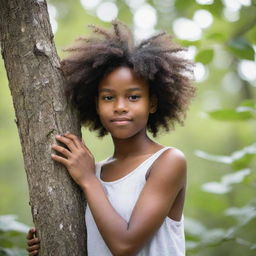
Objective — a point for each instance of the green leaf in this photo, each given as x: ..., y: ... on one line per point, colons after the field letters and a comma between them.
x: 214, y: 158
x: 183, y: 4
x: 238, y: 159
x: 224, y: 186
x: 248, y: 103
x: 236, y: 177
x: 232, y: 114
x: 251, y: 35
x: 219, y: 37
x: 214, y: 236
x: 206, y: 237
x: 12, y: 252
x: 194, y: 227
x: 244, y: 242
x: 241, y: 49
x: 187, y: 43
x: 242, y: 215
x: 8, y: 223
x: 205, y: 56
x: 191, y: 245
x: 6, y: 243
x: 246, y: 110
x: 242, y: 158
x: 216, y: 8
x: 216, y: 188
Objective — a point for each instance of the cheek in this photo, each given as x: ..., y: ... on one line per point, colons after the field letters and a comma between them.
x: 103, y: 112
x: 144, y: 109
x: 142, y: 116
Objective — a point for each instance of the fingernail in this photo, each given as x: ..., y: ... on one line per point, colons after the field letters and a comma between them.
x: 57, y: 136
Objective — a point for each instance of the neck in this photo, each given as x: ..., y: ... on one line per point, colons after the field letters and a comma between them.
x: 136, y: 145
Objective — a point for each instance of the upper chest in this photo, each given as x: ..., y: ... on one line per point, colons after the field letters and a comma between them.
x: 117, y: 169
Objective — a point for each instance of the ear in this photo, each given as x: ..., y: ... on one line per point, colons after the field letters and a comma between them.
x: 153, y: 104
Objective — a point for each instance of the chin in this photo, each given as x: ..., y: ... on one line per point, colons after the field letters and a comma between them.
x: 121, y: 136
x: 125, y: 134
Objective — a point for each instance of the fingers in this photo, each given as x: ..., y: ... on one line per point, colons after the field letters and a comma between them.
x: 74, y: 138
x: 60, y: 159
x: 79, y: 143
x: 62, y: 150
x: 31, y: 233
x: 34, y: 253
x: 33, y: 250
x: 73, y: 143
x: 33, y: 242
x: 68, y: 142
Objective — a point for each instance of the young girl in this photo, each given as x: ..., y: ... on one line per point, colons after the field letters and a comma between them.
x: 135, y: 197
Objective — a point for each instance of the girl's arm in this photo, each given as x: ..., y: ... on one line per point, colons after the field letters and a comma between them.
x: 167, y: 178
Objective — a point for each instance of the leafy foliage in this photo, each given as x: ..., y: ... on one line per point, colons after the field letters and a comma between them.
x: 235, y: 40
x: 240, y: 162
x: 245, y: 111
x: 205, y: 56
x: 11, y: 231
x: 237, y: 161
x: 241, y: 49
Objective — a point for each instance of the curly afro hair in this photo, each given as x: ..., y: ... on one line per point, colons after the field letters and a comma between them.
x: 156, y: 60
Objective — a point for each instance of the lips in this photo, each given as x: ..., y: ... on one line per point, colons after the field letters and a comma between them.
x: 121, y: 120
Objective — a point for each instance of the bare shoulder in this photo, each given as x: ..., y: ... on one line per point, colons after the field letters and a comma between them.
x: 170, y: 165
x: 173, y: 157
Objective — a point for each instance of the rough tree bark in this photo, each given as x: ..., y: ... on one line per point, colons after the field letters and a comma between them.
x: 42, y: 111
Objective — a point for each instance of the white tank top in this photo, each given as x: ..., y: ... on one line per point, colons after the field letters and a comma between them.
x: 169, y: 239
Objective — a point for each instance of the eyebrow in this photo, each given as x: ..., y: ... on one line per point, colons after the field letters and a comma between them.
x: 129, y: 90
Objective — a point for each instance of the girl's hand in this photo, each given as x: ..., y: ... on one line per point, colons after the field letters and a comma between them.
x: 32, y: 242
x: 77, y: 158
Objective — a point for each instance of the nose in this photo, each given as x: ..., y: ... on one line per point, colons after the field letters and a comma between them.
x: 120, y: 106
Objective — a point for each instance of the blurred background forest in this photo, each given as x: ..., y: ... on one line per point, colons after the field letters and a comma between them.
x: 218, y: 137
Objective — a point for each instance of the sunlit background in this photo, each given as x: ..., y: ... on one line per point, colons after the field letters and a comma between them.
x: 220, y: 37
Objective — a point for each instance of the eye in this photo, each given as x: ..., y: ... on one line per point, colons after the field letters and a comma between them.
x: 107, y: 97
x: 134, y: 97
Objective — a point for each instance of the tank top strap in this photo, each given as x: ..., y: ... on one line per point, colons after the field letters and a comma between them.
x: 148, y: 163
x: 154, y: 156
x: 98, y: 166
x: 140, y: 170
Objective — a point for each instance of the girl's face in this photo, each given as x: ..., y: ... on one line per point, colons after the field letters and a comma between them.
x: 123, y: 103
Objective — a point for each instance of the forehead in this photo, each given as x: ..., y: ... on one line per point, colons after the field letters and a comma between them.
x: 122, y: 78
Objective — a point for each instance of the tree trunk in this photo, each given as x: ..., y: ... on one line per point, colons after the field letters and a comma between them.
x: 42, y: 111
